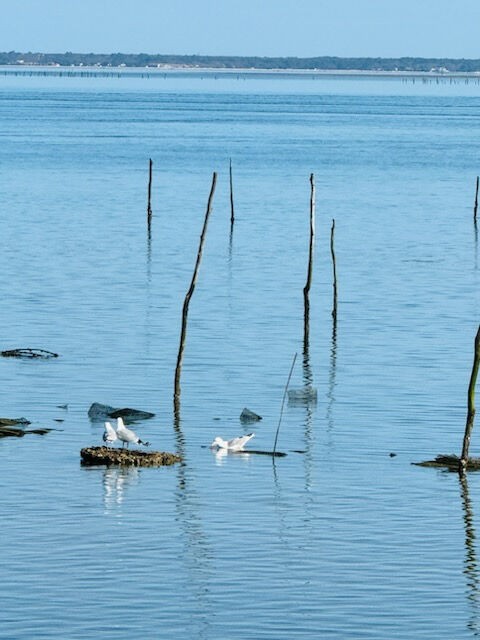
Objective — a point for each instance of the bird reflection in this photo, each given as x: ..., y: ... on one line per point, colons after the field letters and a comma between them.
x: 470, y: 565
x: 476, y: 243
x: 115, y: 482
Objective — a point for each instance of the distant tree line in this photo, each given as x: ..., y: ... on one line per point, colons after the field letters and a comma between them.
x: 241, y: 62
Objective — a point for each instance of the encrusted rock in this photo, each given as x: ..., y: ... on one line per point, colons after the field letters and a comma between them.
x: 127, y: 457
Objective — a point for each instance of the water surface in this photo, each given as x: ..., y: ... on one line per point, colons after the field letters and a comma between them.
x: 341, y: 541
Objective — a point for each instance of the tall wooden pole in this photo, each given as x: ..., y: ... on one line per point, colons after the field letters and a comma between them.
x: 475, y: 206
x: 332, y: 250
x: 149, y: 200
x: 186, y: 303
x: 232, y: 208
x: 471, y: 405
x: 306, y: 288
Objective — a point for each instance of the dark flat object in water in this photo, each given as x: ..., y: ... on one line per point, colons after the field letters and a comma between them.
x: 276, y: 454
x: 100, y: 412
x: 10, y: 422
x: 6, y: 432
x: 450, y: 462
x: 28, y: 353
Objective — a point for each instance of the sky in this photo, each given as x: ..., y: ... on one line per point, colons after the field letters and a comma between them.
x: 301, y: 28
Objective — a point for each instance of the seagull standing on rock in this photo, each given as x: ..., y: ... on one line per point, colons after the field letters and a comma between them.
x: 109, y: 435
x: 127, y: 435
x: 235, y: 444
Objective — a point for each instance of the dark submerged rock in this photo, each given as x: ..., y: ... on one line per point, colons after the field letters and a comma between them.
x: 304, y: 396
x: 108, y: 456
x: 99, y: 412
x: 249, y: 416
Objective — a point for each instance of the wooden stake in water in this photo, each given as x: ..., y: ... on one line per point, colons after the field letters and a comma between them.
x: 471, y: 405
x: 475, y: 206
x: 306, y: 288
x: 149, y: 200
x: 188, y: 296
x: 283, y: 403
x: 332, y: 250
x: 232, y: 208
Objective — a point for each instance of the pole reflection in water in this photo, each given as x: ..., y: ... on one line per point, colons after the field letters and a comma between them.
x: 197, y: 555
x: 476, y: 244
x: 470, y: 565
x: 332, y: 377
x: 307, y: 395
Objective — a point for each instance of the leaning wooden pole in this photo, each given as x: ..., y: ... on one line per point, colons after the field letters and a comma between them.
x: 475, y: 206
x: 471, y: 405
x: 283, y: 404
x: 149, y: 198
x: 183, y: 334
x: 232, y: 207
x: 332, y: 251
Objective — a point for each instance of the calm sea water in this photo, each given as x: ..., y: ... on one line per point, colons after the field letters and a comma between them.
x: 340, y: 541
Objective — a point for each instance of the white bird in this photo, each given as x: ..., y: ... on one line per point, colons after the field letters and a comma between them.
x: 235, y: 444
x: 127, y: 435
x: 109, y: 435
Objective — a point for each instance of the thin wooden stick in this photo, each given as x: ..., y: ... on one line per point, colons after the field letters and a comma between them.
x: 149, y: 201
x: 332, y: 250
x: 188, y: 296
x: 232, y: 208
x: 475, y: 206
x: 283, y: 403
x: 471, y: 405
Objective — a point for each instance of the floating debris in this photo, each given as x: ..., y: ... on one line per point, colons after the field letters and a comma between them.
x: 100, y: 412
x: 10, y: 422
x: 28, y: 353
x: 108, y: 456
x: 18, y: 432
x: 450, y: 462
x: 274, y: 454
x: 249, y: 416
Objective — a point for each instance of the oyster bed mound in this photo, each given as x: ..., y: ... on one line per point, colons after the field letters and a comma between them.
x: 109, y: 456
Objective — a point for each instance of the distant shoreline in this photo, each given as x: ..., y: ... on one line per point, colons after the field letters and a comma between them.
x: 318, y: 64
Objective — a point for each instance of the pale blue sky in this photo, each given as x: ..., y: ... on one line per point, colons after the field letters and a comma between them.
x: 437, y: 28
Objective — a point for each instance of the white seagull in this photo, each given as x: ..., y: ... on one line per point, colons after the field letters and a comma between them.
x: 109, y: 435
x: 127, y: 435
x: 235, y: 444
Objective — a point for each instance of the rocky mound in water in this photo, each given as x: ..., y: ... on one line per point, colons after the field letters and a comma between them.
x: 127, y: 457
